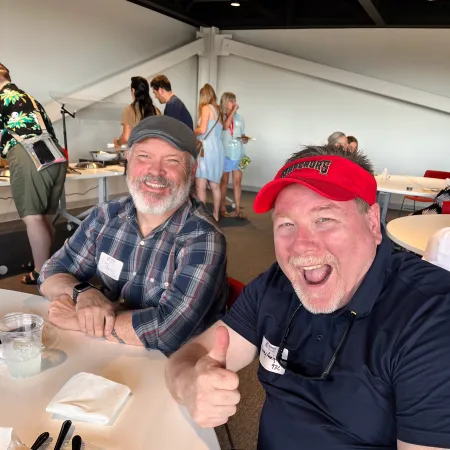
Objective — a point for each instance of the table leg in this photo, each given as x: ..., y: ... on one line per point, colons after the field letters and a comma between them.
x: 101, y: 190
x: 102, y: 197
x: 105, y: 180
x: 62, y: 210
x: 384, y: 206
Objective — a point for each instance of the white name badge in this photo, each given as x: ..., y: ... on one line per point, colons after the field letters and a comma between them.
x: 267, y: 357
x: 110, y: 266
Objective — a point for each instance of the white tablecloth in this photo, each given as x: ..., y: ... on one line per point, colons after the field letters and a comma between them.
x: 150, y: 420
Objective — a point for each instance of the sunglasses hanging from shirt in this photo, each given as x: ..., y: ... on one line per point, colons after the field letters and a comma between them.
x: 325, y: 375
x: 42, y: 149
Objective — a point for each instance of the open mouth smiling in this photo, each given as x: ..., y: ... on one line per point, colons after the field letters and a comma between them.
x: 316, y: 275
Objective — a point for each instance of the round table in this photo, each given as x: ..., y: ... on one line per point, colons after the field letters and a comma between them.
x: 413, y: 232
x: 398, y: 184
x: 150, y: 419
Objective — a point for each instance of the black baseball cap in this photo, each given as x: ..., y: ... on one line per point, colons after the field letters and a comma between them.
x: 167, y: 128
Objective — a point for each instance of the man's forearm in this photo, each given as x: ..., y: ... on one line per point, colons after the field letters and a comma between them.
x: 180, y: 369
x: 123, y: 331
x: 57, y: 285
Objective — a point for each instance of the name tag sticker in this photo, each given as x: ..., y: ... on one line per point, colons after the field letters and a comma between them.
x: 110, y: 266
x: 267, y: 357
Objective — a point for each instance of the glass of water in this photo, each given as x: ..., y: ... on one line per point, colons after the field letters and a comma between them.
x: 21, y: 343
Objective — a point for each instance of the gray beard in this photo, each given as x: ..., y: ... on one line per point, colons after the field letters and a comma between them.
x: 155, y: 203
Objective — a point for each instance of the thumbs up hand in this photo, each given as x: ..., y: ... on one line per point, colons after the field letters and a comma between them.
x: 214, y: 394
x: 219, y: 352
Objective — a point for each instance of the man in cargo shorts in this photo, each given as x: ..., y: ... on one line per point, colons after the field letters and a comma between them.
x: 36, y: 193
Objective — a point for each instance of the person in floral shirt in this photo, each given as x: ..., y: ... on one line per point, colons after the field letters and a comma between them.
x: 36, y: 193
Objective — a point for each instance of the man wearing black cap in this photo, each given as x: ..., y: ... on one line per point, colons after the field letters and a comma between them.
x: 353, y: 341
x: 159, y: 256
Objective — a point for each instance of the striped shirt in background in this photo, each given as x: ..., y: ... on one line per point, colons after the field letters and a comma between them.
x: 174, y: 279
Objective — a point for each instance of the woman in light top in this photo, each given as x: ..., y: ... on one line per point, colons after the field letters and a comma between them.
x: 141, y: 107
x: 233, y: 138
x: 211, y: 158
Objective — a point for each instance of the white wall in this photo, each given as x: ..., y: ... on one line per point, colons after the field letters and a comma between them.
x: 84, y: 41
x: 416, y: 58
x: 285, y: 110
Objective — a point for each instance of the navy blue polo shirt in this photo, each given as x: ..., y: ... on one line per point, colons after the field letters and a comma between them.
x: 392, y: 378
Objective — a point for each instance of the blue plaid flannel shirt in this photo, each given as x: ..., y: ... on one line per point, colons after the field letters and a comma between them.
x: 174, y: 279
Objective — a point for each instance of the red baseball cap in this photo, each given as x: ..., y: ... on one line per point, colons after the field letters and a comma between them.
x: 333, y: 177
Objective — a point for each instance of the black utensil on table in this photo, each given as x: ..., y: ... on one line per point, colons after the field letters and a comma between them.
x: 65, y: 427
x: 40, y: 440
x: 76, y: 443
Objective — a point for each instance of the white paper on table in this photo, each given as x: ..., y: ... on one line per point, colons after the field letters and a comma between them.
x: 89, y: 398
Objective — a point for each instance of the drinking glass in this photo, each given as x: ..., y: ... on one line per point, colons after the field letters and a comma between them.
x: 21, y: 343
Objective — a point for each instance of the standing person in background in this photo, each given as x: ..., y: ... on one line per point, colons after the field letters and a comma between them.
x: 338, y: 139
x: 36, y: 193
x: 141, y: 108
x: 352, y: 144
x: 162, y: 90
x: 211, y: 158
x: 233, y: 137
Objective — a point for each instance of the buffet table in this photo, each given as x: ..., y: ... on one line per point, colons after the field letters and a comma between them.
x: 102, y: 175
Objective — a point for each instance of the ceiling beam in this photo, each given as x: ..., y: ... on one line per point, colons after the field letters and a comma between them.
x: 372, y: 12
x: 106, y: 87
x: 338, y: 76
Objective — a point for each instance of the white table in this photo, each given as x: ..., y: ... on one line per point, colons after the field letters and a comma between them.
x: 413, y: 232
x: 101, y: 175
x: 397, y: 184
x: 150, y: 420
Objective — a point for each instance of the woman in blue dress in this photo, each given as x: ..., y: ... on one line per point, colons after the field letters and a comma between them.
x: 233, y: 138
x: 211, y: 158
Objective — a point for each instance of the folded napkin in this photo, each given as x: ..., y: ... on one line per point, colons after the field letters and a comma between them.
x: 9, y: 440
x: 89, y: 398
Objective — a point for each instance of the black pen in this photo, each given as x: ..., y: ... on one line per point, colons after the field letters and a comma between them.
x: 40, y: 440
x: 76, y: 443
x: 65, y: 427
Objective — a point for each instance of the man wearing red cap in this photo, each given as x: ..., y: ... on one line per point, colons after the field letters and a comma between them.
x: 353, y: 341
